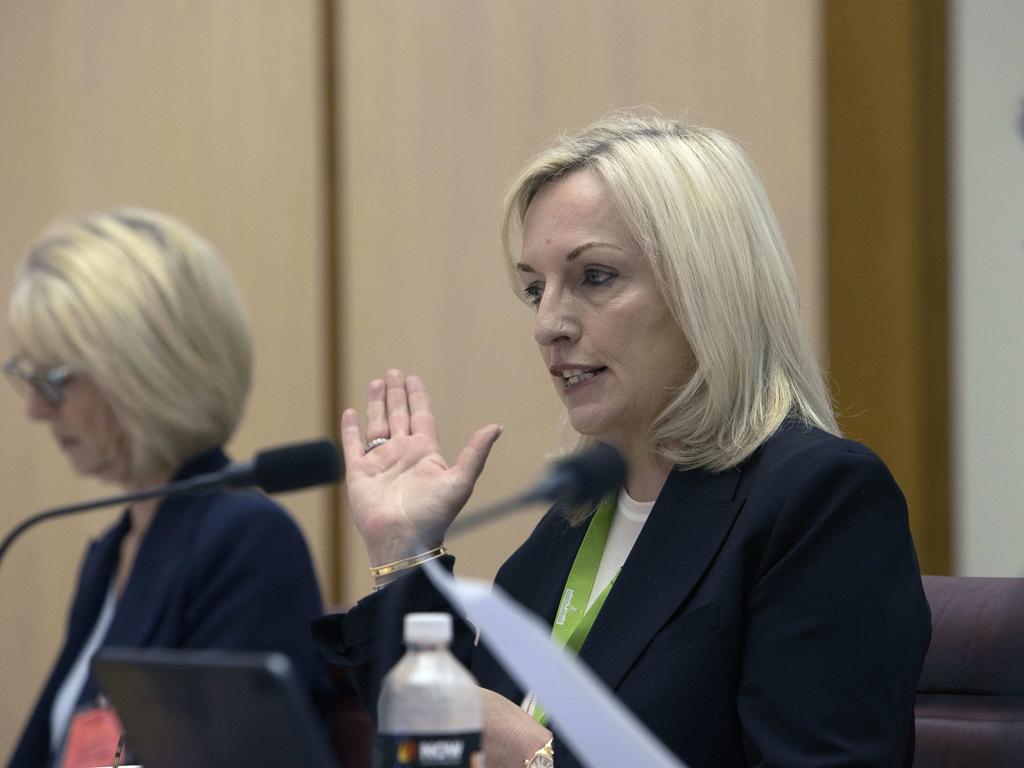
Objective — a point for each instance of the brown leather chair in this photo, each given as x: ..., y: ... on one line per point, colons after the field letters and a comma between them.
x: 970, y: 697
x: 349, y: 724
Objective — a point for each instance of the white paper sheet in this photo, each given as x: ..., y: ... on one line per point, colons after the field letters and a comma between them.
x: 601, y: 732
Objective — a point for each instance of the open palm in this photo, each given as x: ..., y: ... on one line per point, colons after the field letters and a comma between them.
x: 403, y: 494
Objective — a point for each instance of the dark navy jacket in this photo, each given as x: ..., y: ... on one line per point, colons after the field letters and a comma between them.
x: 772, y: 615
x: 227, y: 570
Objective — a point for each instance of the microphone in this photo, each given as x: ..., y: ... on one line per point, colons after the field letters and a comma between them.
x: 286, y: 468
x: 581, y: 477
x: 276, y: 470
x: 591, y: 474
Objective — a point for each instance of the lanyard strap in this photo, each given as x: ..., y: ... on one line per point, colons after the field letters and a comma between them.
x: 574, y: 620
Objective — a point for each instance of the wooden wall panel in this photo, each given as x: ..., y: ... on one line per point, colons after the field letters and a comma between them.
x: 887, y: 246
x: 440, y: 102
x: 213, y: 112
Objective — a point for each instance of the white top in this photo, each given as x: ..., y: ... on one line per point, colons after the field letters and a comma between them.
x: 629, y: 519
x: 66, y: 698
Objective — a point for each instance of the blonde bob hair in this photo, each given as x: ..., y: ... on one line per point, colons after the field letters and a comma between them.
x: 147, y: 310
x: 700, y: 214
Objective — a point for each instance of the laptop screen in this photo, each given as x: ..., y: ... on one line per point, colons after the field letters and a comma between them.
x: 212, y: 708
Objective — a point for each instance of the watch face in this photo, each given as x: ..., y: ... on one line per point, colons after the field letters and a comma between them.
x: 542, y: 761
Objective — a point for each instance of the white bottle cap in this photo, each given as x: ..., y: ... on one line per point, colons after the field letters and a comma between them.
x: 428, y: 628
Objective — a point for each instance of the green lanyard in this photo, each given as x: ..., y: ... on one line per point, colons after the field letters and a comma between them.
x: 573, y: 619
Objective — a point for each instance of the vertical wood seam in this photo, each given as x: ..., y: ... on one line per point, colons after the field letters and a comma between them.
x: 332, y: 270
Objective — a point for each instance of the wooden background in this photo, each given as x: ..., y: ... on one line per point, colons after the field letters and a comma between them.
x: 349, y: 159
x: 440, y: 103
x: 212, y: 112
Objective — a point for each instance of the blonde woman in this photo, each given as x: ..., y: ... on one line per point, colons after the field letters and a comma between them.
x: 754, y: 593
x: 132, y: 347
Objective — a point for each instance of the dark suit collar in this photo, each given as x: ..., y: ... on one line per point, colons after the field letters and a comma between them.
x: 161, y: 552
x: 97, y: 573
x: 159, y: 556
x: 200, y: 463
x: 691, y: 518
x: 557, y: 561
x: 710, y: 488
x: 542, y: 591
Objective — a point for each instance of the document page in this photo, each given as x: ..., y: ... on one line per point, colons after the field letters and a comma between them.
x: 596, y: 726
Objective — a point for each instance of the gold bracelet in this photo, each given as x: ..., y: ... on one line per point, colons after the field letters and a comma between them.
x: 409, y: 562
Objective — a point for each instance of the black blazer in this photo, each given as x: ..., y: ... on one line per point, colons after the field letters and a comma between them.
x: 226, y: 570
x: 772, y: 615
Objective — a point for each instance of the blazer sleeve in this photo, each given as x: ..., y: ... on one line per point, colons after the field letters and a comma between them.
x: 252, y: 586
x: 367, y: 640
x: 837, y: 621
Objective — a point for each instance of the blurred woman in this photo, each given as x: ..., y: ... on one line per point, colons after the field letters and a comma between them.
x: 752, y: 594
x: 132, y: 346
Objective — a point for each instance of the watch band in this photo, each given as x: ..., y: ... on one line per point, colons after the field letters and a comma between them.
x: 543, y: 757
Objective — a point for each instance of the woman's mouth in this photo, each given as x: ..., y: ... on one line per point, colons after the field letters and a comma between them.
x: 574, y: 377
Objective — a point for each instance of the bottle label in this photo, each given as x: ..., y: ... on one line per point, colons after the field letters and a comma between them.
x: 445, y: 750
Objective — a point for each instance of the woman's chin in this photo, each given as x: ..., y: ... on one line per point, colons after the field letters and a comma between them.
x: 589, y: 427
x: 107, y: 473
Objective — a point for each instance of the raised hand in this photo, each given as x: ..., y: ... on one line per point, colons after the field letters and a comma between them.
x: 403, y: 493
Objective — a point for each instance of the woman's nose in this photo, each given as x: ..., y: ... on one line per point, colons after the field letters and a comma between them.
x: 38, y: 409
x: 555, y: 322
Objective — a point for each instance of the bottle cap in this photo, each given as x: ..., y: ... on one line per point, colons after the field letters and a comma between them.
x: 428, y: 628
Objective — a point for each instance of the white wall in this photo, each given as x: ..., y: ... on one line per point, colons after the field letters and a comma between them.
x: 987, y: 282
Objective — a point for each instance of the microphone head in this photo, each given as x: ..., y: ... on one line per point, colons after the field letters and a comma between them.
x: 584, y: 476
x: 292, y: 467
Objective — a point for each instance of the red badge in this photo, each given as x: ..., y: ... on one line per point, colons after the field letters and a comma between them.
x: 92, y: 738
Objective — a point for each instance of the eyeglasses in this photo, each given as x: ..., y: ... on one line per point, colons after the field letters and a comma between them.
x: 48, y: 383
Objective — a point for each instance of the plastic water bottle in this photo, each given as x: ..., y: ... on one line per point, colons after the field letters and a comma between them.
x: 429, y: 713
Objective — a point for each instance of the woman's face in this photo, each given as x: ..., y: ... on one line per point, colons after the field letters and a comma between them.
x: 85, y: 428
x: 613, y: 350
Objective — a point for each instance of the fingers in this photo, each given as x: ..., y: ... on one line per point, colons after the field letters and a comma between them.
x: 397, y: 403
x: 387, y: 414
x: 471, y: 459
x: 351, y: 440
x: 376, y: 411
x: 421, y: 412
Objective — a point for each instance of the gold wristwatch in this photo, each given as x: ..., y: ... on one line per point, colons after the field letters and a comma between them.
x: 542, y: 758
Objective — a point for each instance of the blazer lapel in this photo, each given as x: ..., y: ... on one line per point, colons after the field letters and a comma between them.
x: 94, y: 582
x: 159, y: 561
x: 539, y: 588
x: 686, y: 528
x: 558, y: 561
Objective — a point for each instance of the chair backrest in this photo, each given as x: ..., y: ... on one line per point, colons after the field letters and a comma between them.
x: 970, y: 697
x: 349, y: 724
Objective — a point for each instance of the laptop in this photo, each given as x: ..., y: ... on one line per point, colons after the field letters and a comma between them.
x: 212, y: 708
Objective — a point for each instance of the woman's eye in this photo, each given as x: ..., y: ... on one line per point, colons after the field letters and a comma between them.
x: 533, y: 292
x: 596, y: 276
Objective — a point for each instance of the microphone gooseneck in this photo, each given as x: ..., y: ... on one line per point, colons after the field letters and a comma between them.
x: 590, y: 474
x: 276, y: 470
x: 576, y: 479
